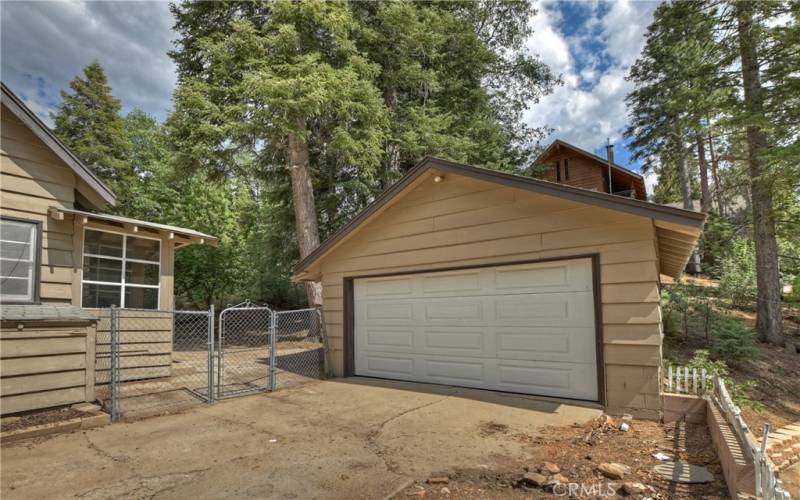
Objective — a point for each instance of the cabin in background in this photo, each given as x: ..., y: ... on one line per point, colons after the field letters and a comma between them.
x: 63, y: 263
x: 566, y: 164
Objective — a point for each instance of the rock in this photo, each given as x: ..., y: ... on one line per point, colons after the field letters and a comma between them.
x: 606, y: 420
x: 634, y: 488
x: 549, y: 468
x: 416, y: 493
x: 438, y: 480
x: 561, y: 478
x: 445, y: 490
x: 627, y: 418
x: 613, y: 470
x: 534, y: 479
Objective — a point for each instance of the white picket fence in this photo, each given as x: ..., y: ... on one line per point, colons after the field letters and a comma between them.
x: 768, y: 485
x: 685, y: 380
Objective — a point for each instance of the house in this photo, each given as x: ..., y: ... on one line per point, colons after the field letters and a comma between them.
x: 566, y: 164
x: 62, y: 261
x: 469, y: 277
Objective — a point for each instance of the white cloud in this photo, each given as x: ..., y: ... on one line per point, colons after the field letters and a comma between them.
x: 46, y: 44
x: 590, y: 106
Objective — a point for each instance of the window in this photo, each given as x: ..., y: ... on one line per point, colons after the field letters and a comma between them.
x: 20, y: 257
x: 120, y: 270
x: 566, y: 169
x: 558, y: 171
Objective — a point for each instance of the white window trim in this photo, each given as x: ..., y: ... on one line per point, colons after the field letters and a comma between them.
x: 34, y: 259
x: 122, y: 284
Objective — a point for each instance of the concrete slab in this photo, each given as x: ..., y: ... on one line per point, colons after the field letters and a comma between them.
x: 348, y: 438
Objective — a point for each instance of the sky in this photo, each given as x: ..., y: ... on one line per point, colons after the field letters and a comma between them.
x: 591, y: 44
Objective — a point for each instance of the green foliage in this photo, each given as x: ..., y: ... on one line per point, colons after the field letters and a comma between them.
x: 732, y: 340
x: 702, y: 360
x: 794, y: 296
x: 738, y: 274
x: 714, y: 242
x: 88, y: 122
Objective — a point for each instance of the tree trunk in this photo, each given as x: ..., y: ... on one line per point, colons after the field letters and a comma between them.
x: 693, y: 266
x: 769, y: 320
x: 305, y: 213
x: 391, y: 164
x: 705, y: 192
x: 715, y: 173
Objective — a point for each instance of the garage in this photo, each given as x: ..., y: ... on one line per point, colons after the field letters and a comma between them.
x: 458, y: 275
x: 524, y: 328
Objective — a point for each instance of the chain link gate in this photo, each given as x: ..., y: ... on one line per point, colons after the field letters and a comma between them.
x: 154, y: 362
x: 245, y: 351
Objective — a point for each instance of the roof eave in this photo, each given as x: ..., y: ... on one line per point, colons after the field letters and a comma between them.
x: 26, y: 116
x: 670, y: 215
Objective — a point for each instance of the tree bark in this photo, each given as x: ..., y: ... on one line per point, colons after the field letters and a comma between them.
x: 715, y: 173
x: 693, y: 265
x: 705, y: 192
x: 305, y: 212
x: 391, y: 164
x: 769, y: 319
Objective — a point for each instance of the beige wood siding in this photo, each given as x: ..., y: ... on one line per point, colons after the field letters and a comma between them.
x: 45, y: 365
x: 32, y: 179
x: 464, y: 222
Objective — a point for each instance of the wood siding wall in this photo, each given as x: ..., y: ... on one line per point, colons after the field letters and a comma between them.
x: 46, y: 364
x: 463, y: 221
x: 583, y: 173
x: 33, y: 178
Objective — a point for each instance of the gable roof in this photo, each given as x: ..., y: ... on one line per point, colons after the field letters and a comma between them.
x: 619, y: 169
x: 40, y: 130
x: 681, y: 227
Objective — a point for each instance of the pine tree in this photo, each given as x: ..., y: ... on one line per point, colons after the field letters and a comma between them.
x: 277, y: 86
x: 89, y: 123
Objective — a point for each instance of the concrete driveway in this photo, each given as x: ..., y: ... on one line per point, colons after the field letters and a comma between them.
x: 345, y: 438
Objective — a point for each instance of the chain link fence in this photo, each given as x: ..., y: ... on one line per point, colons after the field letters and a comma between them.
x: 155, y: 362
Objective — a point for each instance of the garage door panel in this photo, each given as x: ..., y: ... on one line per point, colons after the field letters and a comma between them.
x: 547, y: 344
x: 460, y: 283
x: 385, y: 365
x: 385, y: 287
x: 520, y: 328
x: 379, y: 312
x: 456, y: 310
x: 388, y: 338
x: 548, y: 277
x: 454, y: 371
x: 548, y: 379
x: 554, y: 309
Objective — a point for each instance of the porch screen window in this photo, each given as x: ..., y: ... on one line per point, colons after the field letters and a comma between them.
x: 19, y: 256
x: 120, y: 270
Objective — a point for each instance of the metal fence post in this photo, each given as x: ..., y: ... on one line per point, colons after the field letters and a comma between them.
x: 273, y: 333
x: 114, y: 351
x: 211, y: 354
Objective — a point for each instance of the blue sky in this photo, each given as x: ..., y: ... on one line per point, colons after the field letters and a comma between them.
x: 590, y: 43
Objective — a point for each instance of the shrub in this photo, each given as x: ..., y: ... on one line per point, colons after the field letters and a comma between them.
x: 717, y: 368
x: 732, y: 340
x: 794, y: 297
x: 738, y: 274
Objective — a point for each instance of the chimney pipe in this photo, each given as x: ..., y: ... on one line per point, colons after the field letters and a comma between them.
x: 610, y: 160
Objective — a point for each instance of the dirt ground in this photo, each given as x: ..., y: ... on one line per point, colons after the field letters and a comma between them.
x: 347, y: 438
x: 578, y: 450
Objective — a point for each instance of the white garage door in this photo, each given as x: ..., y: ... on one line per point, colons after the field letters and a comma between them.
x: 527, y: 328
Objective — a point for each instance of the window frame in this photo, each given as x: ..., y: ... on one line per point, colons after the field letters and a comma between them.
x: 36, y: 297
x: 124, y: 259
